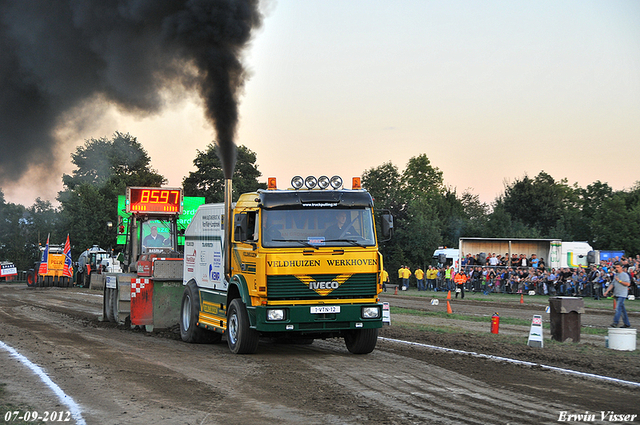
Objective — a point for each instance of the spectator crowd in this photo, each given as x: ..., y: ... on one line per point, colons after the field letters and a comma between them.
x: 520, y: 274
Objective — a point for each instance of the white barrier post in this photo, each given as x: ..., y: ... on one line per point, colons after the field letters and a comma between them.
x: 535, y: 334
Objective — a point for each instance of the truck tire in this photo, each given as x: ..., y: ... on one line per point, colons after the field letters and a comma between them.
x: 31, y: 279
x: 361, y: 341
x: 240, y: 337
x: 87, y: 280
x: 189, y: 330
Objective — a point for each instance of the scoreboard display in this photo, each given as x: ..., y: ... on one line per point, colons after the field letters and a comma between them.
x: 153, y: 200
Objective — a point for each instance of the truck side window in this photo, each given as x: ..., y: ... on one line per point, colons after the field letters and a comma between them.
x: 245, y: 227
x: 252, y: 230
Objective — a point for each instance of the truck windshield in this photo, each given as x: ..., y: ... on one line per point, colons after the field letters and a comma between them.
x: 317, y: 227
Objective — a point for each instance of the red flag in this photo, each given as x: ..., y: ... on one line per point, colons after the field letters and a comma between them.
x: 44, y: 261
x: 67, y: 270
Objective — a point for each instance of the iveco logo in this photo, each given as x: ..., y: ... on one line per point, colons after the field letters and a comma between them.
x: 323, y: 285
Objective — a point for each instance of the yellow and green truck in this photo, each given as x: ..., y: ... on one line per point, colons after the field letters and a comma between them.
x: 296, y: 264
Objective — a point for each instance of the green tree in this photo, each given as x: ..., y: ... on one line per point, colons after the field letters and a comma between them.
x: 12, y: 235
x: 208, y: 179
x: 616, y: 224
x: 104, y: 168
x: 540, y: 202
x: 421, y: 179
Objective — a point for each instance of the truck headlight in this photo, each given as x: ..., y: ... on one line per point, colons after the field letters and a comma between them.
x: 370, y: 312
x: 275, y: 314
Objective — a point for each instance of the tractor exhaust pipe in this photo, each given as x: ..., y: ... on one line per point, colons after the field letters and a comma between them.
x: 228, y: 226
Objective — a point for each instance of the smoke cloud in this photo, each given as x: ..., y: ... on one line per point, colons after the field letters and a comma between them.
x: 58, y: 55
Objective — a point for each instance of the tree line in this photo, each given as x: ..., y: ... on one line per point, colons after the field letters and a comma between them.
x: 428, y: 214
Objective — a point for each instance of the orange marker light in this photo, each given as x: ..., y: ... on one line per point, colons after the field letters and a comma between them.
x: 271, y: 185
x: 355, y: 183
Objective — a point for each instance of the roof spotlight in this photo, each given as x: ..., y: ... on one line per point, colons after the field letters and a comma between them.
x: 336, y: 182
x: 297, y: 182
x: 310, y: 182
x: 323, y: 182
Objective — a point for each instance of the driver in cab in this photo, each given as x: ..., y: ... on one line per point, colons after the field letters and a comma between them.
x: 341, y: 229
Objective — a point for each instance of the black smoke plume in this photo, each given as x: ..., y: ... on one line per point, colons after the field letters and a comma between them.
x: 57, y: 56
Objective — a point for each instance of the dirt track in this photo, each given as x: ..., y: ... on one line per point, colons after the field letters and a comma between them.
x: 120, y: 376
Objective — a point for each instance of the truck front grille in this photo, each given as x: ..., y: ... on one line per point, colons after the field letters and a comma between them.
x: 289, y: 287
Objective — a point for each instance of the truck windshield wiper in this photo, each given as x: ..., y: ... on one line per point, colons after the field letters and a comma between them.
x: 351, y: 241
x: 301, y: 241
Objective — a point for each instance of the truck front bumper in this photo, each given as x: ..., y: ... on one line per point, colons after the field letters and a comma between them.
x: 300, y: 318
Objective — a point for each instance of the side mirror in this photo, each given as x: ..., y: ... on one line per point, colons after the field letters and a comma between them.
x: 240, y: 226
x: 387, y: 225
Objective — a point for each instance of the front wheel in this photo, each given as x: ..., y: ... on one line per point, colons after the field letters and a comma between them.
x: 361, y: 341
x: 31, y: 279
x: 240, y: 337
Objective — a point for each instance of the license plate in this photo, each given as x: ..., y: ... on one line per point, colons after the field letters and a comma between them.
x: 325, y: 309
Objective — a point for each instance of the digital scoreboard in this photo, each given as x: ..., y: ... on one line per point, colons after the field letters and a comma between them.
x: 153, y: 200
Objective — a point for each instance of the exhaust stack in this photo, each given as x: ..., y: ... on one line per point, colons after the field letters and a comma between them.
x: 228, y: 227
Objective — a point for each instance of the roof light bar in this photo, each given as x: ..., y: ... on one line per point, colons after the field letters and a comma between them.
x: 311, y: 182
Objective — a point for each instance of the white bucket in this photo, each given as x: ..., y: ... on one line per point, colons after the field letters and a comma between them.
x: 623, y: 339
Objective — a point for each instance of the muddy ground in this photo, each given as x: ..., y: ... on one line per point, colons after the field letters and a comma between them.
x: 122, y: 376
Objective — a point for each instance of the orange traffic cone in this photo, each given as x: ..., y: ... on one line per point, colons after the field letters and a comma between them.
x: 449, y: 295
x: 449, y: 311
x: 521, y: 298
x: 396, y: 293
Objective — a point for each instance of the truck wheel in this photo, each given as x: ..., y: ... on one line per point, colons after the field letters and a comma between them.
x: 240, y: 337
x: 190, y: 307
x: 361, y: 341
x: 31, y: 279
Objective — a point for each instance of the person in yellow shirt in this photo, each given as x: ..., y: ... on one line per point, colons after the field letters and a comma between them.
x: 420, y: 278
x: 405, y: 278
x: 432, y: 275
x: 401, y: 277
x: 385, y: 279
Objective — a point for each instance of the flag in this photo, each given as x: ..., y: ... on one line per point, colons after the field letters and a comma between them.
x: 44, y: 261
x: 67, y: 270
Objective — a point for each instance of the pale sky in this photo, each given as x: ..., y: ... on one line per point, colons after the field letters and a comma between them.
x: 489, y: 91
